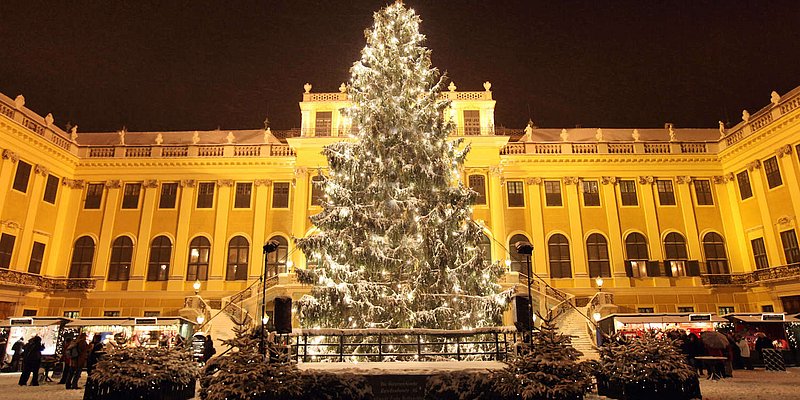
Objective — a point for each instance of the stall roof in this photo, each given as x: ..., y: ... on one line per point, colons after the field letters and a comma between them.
x: 121, y: 321
x: 756, y: 317
x: 649, y: 318
x: 166, y: 321
x: 40, y: 321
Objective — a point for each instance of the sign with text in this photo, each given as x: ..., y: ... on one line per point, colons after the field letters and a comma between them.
x: 772, y: 317
x: 699, y: 317
x: 397, y: 387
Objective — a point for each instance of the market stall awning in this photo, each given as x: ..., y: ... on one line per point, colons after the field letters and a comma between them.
x: 756, y: 318
x: 34, y: 322
x: 660, y: 319
x: 100, y: 322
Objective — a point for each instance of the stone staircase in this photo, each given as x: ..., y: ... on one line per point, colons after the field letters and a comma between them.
x: 220, y: 328
x: 572, y: 323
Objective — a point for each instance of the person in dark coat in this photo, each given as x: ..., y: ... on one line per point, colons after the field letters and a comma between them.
x: 208, y: 349
x: 95, y: 351
x: 31, y: 361
x: 17, y: 354
x: 66, y: 360
x: 77, y: 360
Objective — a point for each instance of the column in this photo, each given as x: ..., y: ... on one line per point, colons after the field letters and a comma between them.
x: 577, y: 247
x: 219, y: 247
x: 299, y: 212
x: 35, y: 193
x: 103, y: 248
x: 537, y: 227
x: 7, y: 169
x: 262, y: 199
x: 69, y: 204
x: 177, y: 272
x: 142, y: 249
x: 789, y: 169
x: 682, y: 183
x: 735, y: 238
x: 496, y: 206
x: 651, y: 217
x: 615, y: 247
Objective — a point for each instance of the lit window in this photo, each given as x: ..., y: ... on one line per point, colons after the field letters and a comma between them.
x: 199, y: 251
x: 238, y: 252
x: 323, y: 123
x: 472, y: 122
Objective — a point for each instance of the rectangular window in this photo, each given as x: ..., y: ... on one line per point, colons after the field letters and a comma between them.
x: 72, y: 314
x: 638, y: 268
x: 790, y: 248
x: 743, y: 179
x: 666, y: 194
x: 723, y: 310
x: 472, y: 122
x: 646, y: 310
x: 94, y: 196
x: 22, y: 176
x: 51, y: 189
x: 516, y: 193
x: 767, y: 308
x: 478, y: 184
x: 29, y: 313
x: 322, y: 126
x: 591, y: 194
x: 6, y: 249
x: 702, y: 189
x: 152, y: 314
x: 552, y: 193
x: 111, y: 313
x: 130, y: 197
x: 317, y: 190
x: 773, y: 172
x: 688, y: 309
x: 280, y: 195
x: 759, y: 253
x: 244, y: 191
x: 205, y: 195
x: 169, y: 195
x: 627, y: 192
x: 37, y: 256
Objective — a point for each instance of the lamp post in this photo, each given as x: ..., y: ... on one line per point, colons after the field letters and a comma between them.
x: 196, y: 287
x: 269, y: 247
x: 599, y: 282
x: 527, y: 249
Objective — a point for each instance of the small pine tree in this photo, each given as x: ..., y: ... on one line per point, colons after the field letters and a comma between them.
x: 547, y: 370
x: 141, y: 369
x: 243, y: 373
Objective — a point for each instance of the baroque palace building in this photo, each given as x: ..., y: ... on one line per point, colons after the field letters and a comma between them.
x: 674, y: 220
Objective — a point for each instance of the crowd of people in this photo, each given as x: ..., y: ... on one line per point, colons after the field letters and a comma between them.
x: 738, y: 352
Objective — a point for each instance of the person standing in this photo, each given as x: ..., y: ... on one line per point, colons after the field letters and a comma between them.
x: 744, y: 351
x: 95, y: 351
x: 208, y: 349
x: 31, y: 361
x: 78, y: 354
x: 65, y: 358
x: 763, y: 342
x: 17, y: 355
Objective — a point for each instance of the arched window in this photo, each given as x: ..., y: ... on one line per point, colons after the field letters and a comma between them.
x: 558, y: 253
x: 276, y: 261
x: 160, y: 255
x: 238, y: 255
x: 714, y: 248
x: 518, y: 261
x: 597, y: 253
x: 199, y: 252
x: 675, y: 247
x: 486, y: 247
x: 119, y: 269
x: 82, y: 258
x: 636, y: 247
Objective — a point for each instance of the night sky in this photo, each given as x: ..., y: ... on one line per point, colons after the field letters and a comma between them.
x: 186, y: 65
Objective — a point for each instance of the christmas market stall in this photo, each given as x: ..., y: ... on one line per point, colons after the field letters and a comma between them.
x: 635, y: 325
x: 24, y: 328
x: 779, y: 330
x: 151, y: 332
x: 114, y: 331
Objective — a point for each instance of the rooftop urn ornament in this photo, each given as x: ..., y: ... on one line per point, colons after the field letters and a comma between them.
x: 230, y: 137
x: 48, y: 119
x: 721, y: 129
x: 452, y: 87
x: 564, y: 135
x: 774, y: 97
x: 745, y: 116
x: 196, y: 137
x: 159, y: 139
x: 307, y: 87
x: 599, y: 135
x: 73, y: 133
x: 636, y: 135
x: 487, y: 85
x: 342, y: 88
x: 19, y: 101
x: 121, y: 135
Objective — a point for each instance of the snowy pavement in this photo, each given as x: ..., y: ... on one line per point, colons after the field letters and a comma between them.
x: 45, y: 390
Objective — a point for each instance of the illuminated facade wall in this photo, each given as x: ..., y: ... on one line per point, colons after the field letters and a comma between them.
x: 125, y: 222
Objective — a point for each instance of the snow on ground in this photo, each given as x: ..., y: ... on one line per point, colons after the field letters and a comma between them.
x: 45, y: 390
x: 402, y: 368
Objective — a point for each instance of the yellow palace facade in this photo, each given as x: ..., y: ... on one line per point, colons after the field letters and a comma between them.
x: 673, y: 219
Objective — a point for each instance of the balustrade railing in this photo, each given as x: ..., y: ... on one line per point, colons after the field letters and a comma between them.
x: 782, y: 272
x: 25, y: 279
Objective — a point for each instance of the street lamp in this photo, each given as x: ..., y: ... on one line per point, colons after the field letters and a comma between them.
x: 599, y: 282
x: 269, y: 247
x: 196, y: 287
x: 527, y: 249
x: 200, y: 319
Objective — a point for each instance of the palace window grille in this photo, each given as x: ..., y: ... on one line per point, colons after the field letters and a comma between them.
x: 94, y: 196
x: 199, y: 253
x: 518, y: 261
x: 37, y: 256
x: 552, y: 193
x: 160, y: 256
x: 244, y: 191
x: 702, y: 190
x: 666, y: 193
x: 82, y: 258
x: 743, y: 180
x: 790, y: 248
x: 559, y: 258
x: 169, y: 195
x: 714, y: 249
x: 276, y: 261
x: 238, y: 255
x: 22, y: 176
x: 627, y: 191
x: 591, y: 194
x: 130, y: 197
x: 205, y: 195
x: 51, y: 189
x: 119, y: 268
x: 773, y: 172
x: 759, y: 253
x: 478, y: 184
x: 597, y: 254
x: 472, y: 122
x: 6, y: 249
x: 689, y: 309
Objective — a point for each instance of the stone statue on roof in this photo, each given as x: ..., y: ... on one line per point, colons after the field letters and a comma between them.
x: 73, y: 133
x: 564, y: 135
x: 121, y: 135
x: 671, y: 129
x: 528, y: 137
x: 196, y: 137
x: 721, y: 129
x: 636, y: 135
x: 159, y: 139
x: 599, y: 135
x: 230, y: 137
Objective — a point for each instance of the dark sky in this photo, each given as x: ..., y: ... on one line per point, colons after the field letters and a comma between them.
x: 178, y: 65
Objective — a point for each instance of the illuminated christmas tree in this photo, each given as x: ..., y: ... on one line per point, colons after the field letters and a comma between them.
x: 396, y: 246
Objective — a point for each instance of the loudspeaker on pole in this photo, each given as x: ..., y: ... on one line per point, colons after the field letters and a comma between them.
x: 522, y: 313
x: 283, y: 315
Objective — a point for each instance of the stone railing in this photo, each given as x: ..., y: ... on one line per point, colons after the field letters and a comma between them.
x: 187, y: 151
x: 650, y: 148
x: 38, y: 282
x: 43, y: 127
x: 771, y: 274
x: 778, y: 108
